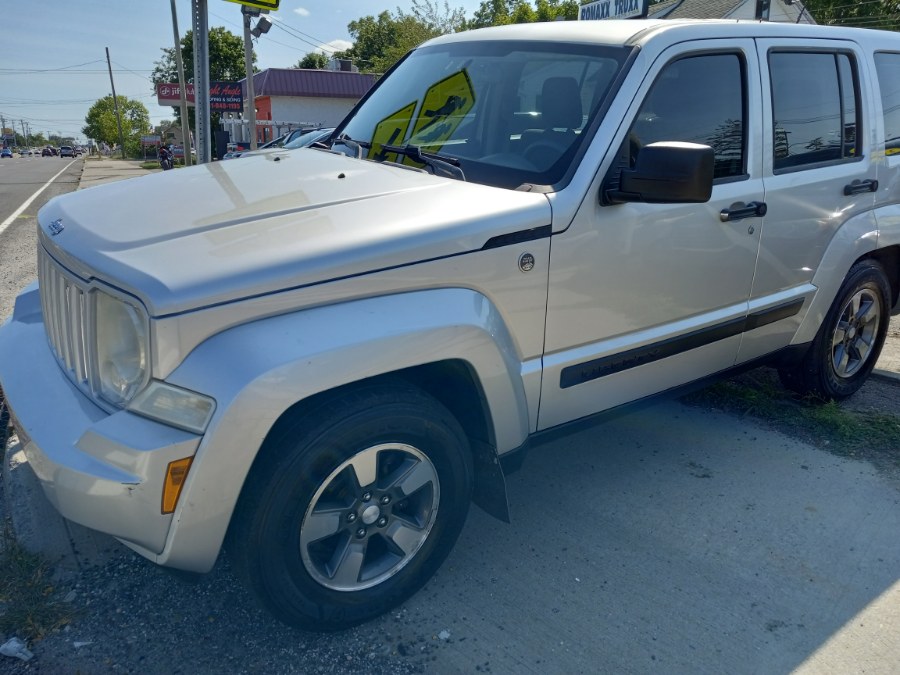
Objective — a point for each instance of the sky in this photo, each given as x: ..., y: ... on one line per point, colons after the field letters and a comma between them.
x: 53, y: 60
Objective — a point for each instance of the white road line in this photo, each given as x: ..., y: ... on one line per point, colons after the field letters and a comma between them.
x: 9, y: 221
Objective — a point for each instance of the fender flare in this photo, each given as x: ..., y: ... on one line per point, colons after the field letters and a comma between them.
x: 257, y: 371
x: 853, y: 240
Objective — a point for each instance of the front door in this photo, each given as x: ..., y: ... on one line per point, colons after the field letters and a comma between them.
x: 644, y: 297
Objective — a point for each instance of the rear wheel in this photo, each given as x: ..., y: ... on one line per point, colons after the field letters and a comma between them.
x: 850, y: 339
x: 352, y: 506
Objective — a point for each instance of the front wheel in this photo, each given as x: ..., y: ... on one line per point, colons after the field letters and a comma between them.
x: 850, y: 339
x: 352, y: 506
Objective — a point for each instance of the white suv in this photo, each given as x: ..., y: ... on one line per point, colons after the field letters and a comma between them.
x: 327, y: 354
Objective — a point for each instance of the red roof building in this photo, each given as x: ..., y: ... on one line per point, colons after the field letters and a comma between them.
x: 292, y: 97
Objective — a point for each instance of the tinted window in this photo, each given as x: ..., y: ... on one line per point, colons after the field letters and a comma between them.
x: 699, y: 99
x: 888, y: 67
x: 814, y: 108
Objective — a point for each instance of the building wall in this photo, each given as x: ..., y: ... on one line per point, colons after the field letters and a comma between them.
x: 325, y: 112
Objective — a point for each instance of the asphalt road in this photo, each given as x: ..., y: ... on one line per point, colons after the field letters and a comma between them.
x: 20, y: 179
x: 670, y: 540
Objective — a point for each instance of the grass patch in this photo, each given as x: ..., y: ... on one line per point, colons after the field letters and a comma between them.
x: 875, y: 435
x: 28, y: 596
x: 150, y: 165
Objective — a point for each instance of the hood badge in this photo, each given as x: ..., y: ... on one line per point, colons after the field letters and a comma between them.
x: 56, y: 227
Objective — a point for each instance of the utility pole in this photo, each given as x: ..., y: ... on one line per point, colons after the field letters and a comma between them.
x: 185, y: 120
x: 24, y: 135
x: 248, y: 65
x: 116, y: 104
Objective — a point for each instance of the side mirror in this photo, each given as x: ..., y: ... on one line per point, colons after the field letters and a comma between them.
x: 669, y: 172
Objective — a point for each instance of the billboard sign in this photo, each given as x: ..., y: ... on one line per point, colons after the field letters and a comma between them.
x: 223, y: 96
x: 226, y: 97
x: 614, y: 9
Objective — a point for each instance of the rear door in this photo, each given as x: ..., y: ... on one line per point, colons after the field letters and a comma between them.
x: 818, y: 173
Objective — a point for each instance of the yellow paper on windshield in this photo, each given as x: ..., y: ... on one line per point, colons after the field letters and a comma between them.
x: 391, y: 131
x: 444, y: 107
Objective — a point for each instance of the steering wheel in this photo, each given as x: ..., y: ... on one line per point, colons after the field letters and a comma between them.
x: 539, y: 152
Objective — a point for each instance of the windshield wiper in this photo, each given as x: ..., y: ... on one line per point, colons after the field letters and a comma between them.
x: 440, y: 164
x: 356, y: 147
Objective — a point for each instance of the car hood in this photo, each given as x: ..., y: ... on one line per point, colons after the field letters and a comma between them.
x: 224, y: 231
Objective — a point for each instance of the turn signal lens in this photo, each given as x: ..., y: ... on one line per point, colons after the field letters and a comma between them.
x: 176, y: 475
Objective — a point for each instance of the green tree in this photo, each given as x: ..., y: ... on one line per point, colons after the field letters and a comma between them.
x: 100, y: 122
x: 440, y: 20
x: 381, y: 41
x: 502, y: 12
x: 226, y: 63
x: 884, y: 14
x: 313, y: 60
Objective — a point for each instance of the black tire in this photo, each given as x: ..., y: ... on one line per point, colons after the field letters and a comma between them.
x: 363, y: 549
x: 850, y: 339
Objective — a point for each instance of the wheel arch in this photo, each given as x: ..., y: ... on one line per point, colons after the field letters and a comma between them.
x: 451, y: 343
x: 889, y: 259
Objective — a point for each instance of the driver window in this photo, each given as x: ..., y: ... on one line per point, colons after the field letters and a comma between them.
x: 698, y: 99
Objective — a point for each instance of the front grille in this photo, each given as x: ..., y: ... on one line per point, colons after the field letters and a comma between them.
x: 64, y: 301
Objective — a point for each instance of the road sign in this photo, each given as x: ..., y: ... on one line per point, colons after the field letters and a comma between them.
x: 271, y: 5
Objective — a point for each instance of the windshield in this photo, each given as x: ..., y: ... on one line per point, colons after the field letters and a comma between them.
x: 509, y: 112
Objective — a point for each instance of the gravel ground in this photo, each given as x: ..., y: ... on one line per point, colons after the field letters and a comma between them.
x: 134, y: 617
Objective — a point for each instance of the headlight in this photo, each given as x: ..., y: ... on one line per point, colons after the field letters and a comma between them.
x: 121, y: 339
x: 174, y: 406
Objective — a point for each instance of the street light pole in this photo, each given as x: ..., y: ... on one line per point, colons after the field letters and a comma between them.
x: 248, y: 65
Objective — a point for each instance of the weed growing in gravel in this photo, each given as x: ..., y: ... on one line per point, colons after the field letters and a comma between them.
x: 28, y: 604
x: 844, y: 431
x: 28, y: 599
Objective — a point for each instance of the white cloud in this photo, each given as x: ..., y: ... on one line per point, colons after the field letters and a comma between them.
x: 335, y: 46
x: 301, y: 11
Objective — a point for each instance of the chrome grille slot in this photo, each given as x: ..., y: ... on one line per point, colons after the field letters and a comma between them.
x: 65, y: 307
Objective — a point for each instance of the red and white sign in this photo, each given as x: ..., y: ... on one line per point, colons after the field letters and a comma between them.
x: 170, y: 94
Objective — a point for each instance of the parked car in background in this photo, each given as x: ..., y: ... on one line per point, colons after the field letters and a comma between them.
x: 66, y: 151
x: 301, y: 140
x: 307, y: 138
x: 6, y: 152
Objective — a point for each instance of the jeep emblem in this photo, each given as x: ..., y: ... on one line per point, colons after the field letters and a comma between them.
x: 526, y: 262
x: 56, y: 227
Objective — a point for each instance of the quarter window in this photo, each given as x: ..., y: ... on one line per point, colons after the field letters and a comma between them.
x: 888, y: 67
x: 698, y: 99
x: 814, y: 104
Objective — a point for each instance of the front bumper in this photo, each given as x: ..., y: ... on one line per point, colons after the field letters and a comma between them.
x: 104, y: 471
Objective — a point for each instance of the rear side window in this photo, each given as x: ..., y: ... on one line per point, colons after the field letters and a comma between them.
x: 814, y: 108
x: 699, y: 99
x: 888, y: 67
